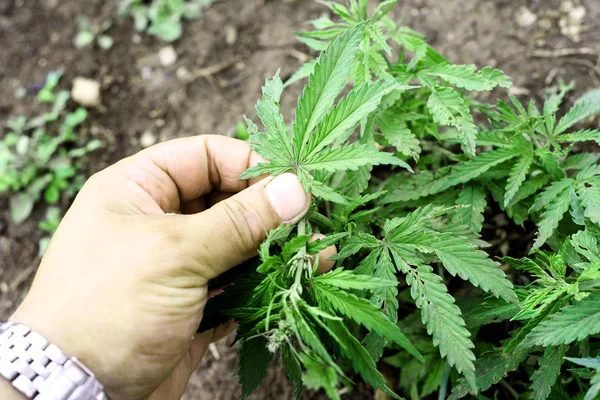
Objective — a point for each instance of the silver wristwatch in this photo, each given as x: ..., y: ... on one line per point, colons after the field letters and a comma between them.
x: 40, y: 370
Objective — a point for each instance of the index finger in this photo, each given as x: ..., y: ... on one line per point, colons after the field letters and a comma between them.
x: 185, y: 169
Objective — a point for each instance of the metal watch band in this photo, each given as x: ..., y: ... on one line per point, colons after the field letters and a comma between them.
x: 40, y: 370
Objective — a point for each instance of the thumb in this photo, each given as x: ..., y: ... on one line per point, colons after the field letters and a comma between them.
x: 230, y: 232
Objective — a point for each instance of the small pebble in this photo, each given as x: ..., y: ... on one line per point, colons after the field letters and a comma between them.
x: 147, y: 139
x: 230, y: 35
x: 167, y: 56
x: 86, y: 92
x: 525, y: 17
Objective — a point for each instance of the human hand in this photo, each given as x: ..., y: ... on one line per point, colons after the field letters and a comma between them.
x: 123, y: 283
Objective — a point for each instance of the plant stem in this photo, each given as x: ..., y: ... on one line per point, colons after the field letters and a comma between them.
x: 510, y: 389
x: 302, y: 227
x: 444, y: 383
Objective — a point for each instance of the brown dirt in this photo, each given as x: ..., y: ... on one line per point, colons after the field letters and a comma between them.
x: 142, y: 98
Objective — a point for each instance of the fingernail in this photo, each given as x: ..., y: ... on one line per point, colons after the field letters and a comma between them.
x: 287, y: 196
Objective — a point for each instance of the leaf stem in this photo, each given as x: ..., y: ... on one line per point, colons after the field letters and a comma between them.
x: 445, y: 379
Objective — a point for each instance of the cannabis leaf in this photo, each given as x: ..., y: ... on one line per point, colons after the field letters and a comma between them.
x: 572, y: 323
x: 365, y: 314
x: 254, y: 360
x: 464, y: 76
x: 580, y: 111
x: 342, y: 279
x: 554, y: 212
x: 409, y: 242
x: 320, y: 126
x: 461, y: 257
x: 472, y: 198
x: 360, y: 358
x: 399, y: 135
x: 544, y: 378
x: 411, y: 238
x: 443, y: 320
x: 325, y: 83
x: 448, y: 109
x: 490, y: 369
x: 589, y: 193
x: 517, y: 176
x: 461, y: 173
x: 591, y: 363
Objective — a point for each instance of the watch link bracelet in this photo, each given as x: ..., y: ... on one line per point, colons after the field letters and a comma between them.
x: 41, y: 371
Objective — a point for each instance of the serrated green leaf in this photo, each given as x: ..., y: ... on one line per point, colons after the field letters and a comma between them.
x: 551, y: 216
x: 274, y: 144
x: 579, y: 112
x: 386, y: 298
x: 355, y: 182
x: 443, y: 320
x: 461, y: 257
x: 263, y: 169
x: 311, y: 339
x: 351, y: 157
x: 544, y: 378
x: 449, y: 109
x: 344, y: 117
x: 586, y: 135
x: 343, y: 279
x: 517, y: 176
x: 473, y: 199
x: 254, y: 361
x: 581, y: 160
x: 550, y: 194
x: 377, y: 36
x: 571, y: 323
x: 520, y: 340
x: 589, y: 194
x: 364, y: 313
x: 464, y: 76
x: 319, y: 189
x: 338, y: 9
x: 319, y: 376
x: 360, y: 359
x: 491, y: 310
x: 461, y: 173
x: 550, y: 163
x: 490, y: 369
x: 315, y: 44
x: 588, y: 172
x: 303, y: 72
x: 399, y: 136
x: 292, y: 368
x: 325, y: 83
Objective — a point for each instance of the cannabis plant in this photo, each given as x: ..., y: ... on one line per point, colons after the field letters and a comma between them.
x: 559, y: 312
x: 162, y: 18
x: 404, y: 167
x: 41, y: 157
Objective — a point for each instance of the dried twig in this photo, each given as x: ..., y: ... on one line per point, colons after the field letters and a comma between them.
x: 211, y: 70
x: 588, y: 51
x: 22, y: 277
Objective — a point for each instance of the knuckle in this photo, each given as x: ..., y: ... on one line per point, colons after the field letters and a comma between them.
x: 244, y: 224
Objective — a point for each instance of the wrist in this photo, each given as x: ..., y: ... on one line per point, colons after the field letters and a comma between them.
x: 75, y: 351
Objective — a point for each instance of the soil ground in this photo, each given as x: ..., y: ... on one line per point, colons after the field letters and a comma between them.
x: 231, y: 49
